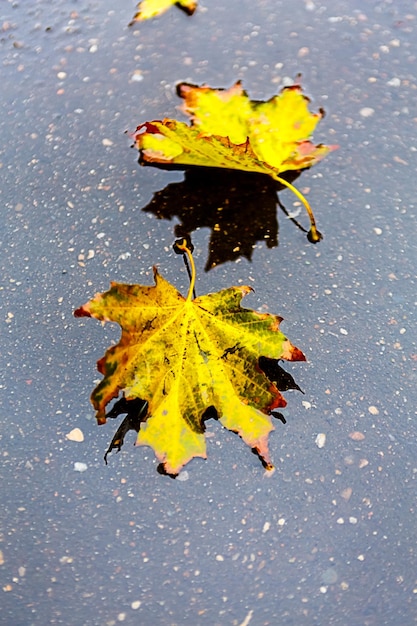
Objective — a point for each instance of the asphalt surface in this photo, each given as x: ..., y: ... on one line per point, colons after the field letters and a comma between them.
x: 330, y: 538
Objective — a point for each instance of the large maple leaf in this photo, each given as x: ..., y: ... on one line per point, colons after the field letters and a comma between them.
x: 184, y: 356
x: 152, y: 8
x: 231, y: 131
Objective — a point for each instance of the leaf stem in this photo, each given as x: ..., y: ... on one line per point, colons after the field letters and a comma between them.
x: 184, y: 248
x: 314, y: 235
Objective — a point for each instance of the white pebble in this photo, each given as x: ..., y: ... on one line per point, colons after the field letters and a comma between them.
x: 80, y: 467
x: 76, y: 434
x: 394, y: 82
x: 343, y: 331
x: 321, y: 440
x: 123, y: 256
x: 367, y: 111
x: 136, y: 604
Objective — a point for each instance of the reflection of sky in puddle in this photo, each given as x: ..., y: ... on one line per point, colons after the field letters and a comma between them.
x: 90, y: 546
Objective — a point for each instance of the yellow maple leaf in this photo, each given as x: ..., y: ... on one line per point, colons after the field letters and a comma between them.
x: 152, y: 8
x: 231, y: 131
x: 185, y: 355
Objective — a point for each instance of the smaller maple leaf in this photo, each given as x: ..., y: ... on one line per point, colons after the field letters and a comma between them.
x: 183, y: 356
x: 229, y: 130
x: 152, y: 8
